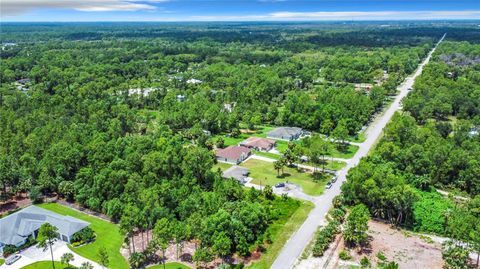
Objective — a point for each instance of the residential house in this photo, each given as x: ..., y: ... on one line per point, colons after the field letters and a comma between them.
x: 258, y: 143
x: 181, y: 98
x: 194, y: 81
x: 17, y: 227
x: 233, y: 154
x: 286, y: 133
x: 363, y: 87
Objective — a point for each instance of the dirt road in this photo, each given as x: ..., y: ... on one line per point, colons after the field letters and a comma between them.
x: 299, y: 240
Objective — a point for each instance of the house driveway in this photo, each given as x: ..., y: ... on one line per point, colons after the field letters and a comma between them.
x: 34, y: 254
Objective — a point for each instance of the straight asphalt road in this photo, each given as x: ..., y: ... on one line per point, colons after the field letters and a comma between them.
x: 300, y: 239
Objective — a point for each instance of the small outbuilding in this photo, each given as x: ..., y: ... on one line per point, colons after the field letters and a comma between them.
x: 233, y: 154
x: 258, y: 143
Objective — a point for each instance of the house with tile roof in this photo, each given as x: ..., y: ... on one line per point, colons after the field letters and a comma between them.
x: 258, y: 143
x: 233, y: 154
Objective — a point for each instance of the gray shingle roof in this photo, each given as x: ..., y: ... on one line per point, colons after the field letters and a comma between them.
x: 285, y: 132
x: 16, y: 227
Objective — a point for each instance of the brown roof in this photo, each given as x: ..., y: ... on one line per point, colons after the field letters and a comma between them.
x: 232, y: 152
x: 258, y: 142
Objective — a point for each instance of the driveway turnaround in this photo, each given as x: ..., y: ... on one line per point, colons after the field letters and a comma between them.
x: 34, y: 254
x: 300, y: 239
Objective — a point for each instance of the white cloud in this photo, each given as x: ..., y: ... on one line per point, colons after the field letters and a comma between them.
x: 18, y: 7
x: 347, y: 15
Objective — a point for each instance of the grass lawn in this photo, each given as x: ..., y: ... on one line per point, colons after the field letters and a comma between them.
x: 358, y: 138
x: 335, y: 165
x: 268, y: 155
x: 46, y: 265
x: 347, y: 154
x: 2, y: 261
x: 108, y: 236
x: 263, y: 173
x: 170, y: 265
x: 281, y: 231
x: 222, y: 166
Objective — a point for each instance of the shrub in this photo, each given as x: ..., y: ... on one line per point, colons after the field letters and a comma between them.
x: 324, y: 237
x: 85, y: 235
x: 344, y: 255
x: 381, y: 256
x: 364, y: 262
x: 9, y: 250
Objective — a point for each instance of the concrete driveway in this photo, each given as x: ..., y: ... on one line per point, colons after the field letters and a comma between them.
x: 34, y: 254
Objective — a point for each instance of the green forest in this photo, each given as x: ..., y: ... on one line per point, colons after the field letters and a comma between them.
x: 433, y: 144
x: 114, y: 118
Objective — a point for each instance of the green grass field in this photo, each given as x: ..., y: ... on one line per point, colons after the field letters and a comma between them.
x: 108, y: 236
x: 347, y: 154
x: 263, y: 173
x: 359, y: 138
x: 47, y: 265
x: 222, y: 166
x: 281, y: 232
x: 2, y: 261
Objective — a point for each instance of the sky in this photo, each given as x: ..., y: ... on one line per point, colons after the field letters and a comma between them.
x: 236, y: 10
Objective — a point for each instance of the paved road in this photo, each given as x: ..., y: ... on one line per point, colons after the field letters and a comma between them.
x: 297, y: 242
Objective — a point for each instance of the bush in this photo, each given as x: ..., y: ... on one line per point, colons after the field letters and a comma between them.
x: 9, y: 250
x: 85, y: 235
x: 324, y: 237
x: 344, y: 255
x: 381, y: 256
x: 364, y: 262
x: 455, y: 257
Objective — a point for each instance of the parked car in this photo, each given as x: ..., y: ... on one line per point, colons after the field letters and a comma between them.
x: 280, y: 185
x: 334, y: 179
x: 13, y: 258
x: 329, y: 185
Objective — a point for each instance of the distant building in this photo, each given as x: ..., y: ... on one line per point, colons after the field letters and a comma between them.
x: 286, y: 133
x: 363, y: 87
x: 22, y: 84
x: 17, y: 227
x: 181, y: 98
x: 194, y: 81
x: 228, y: 107
x: 473, y: 132
x: 233, y: 154
x: 237, y: 172
x: 141, y: 91
x: 258, y: 143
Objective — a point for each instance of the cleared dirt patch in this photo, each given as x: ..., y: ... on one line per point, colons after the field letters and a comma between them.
x: 408, y: 250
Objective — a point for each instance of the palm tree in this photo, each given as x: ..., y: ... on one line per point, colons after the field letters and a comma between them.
x: 47, y: 236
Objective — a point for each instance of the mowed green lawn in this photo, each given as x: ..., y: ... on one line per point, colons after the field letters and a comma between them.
x: 346, y: 154
x: 47, y: 265
x: 108, y: 236
x: 281, y: 230
x: 263, y: 174
x: 222, y: 166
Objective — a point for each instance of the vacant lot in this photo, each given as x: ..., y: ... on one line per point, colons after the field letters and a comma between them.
x: 108, y: 236
x: 263, y: 174
x: 408, y: 250
x: 281, y: 230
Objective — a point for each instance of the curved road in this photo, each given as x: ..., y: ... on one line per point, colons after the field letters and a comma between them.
x: 300, y: 239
